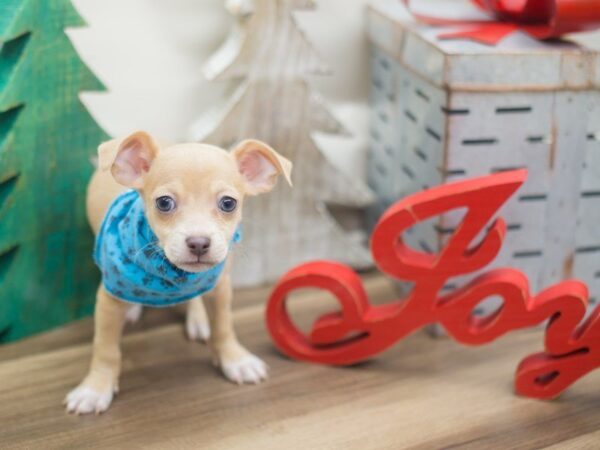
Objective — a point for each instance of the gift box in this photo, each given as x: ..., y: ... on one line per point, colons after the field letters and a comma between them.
x: 444, y: 110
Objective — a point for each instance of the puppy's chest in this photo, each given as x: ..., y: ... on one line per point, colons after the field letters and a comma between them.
x: 134, y: 268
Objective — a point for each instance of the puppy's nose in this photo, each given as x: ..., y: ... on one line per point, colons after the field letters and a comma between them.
x: 198, y: 245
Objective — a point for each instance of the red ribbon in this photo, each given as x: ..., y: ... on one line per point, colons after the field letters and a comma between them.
x: 542, y: 19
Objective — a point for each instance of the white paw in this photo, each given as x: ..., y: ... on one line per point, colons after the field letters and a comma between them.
x: 85, y: 400
x: 196, y: 329
x: 133, y: 314
x: 249, y: 369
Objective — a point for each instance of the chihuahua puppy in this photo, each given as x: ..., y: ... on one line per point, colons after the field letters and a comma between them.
x: 165, y: 219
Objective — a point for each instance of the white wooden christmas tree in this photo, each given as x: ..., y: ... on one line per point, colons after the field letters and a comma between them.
x: 273, y: 102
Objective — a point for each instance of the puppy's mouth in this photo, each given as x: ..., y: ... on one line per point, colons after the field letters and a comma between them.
x: 197, y: 265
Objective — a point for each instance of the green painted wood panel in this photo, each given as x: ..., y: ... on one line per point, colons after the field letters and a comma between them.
x: 47, y: 139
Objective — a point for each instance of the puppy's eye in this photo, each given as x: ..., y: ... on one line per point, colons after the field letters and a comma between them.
x: 165, y: 204
x: 227, y: 204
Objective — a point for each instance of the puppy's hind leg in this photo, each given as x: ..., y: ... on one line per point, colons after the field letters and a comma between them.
x: 133, y: 314
x: 196, y: 321
x: 95, y: 393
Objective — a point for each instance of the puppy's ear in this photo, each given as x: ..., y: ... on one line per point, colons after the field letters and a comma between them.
x: 106, y: 154
x: 133, y: 159
x: 260, y: 165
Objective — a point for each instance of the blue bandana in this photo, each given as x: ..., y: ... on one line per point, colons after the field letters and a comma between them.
x: 134, y: 268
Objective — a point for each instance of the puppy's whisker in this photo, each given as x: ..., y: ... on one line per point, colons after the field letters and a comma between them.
x: 242, y: 253
x: 140, y: 250
x: 151, y: 245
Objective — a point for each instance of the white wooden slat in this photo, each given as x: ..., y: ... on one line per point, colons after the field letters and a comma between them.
x: 563, y: 197
x: 586, y: 268
x: 588, y: 221
x: 591, y: 173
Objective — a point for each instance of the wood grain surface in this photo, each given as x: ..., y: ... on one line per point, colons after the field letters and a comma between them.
x: 423, y: 393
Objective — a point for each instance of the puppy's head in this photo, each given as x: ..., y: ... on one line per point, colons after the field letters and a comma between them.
x: 193, y: 193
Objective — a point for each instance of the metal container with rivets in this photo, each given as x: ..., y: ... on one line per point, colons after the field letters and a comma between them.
x: 448, y: 110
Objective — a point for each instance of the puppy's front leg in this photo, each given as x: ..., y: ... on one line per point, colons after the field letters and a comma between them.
x: 196, y: 322
x: 237, y: 363
x: 95, y: 393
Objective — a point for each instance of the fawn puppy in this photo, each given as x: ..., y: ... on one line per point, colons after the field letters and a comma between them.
x: 165, y: 218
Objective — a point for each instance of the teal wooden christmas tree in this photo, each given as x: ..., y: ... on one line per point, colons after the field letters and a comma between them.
x: 47, y: 138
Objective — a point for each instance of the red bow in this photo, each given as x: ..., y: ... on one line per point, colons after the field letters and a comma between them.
x: 542, y: 19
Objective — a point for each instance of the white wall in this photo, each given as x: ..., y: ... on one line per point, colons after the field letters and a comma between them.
x: 149, y: 54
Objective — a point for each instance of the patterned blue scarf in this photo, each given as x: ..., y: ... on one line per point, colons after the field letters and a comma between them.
x: 134, y: 268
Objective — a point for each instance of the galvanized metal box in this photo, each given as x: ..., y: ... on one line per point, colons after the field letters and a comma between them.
x: 447, y: 110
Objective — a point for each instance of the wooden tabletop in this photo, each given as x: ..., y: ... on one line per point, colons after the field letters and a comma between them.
x: 423, y: 393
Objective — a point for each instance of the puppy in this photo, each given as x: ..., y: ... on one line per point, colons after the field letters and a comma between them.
x: 165, y: 219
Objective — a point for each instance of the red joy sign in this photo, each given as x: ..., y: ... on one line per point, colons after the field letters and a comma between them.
x: 360, y: 330
x: 542, y: 19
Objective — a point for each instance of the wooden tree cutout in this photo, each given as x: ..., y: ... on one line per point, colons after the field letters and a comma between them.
x: 274, y: 103
x: 361, y: 330
x: 46, y: 140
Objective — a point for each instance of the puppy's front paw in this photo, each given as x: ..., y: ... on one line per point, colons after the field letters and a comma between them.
x: 247, y: 369
x: 89, y: 398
